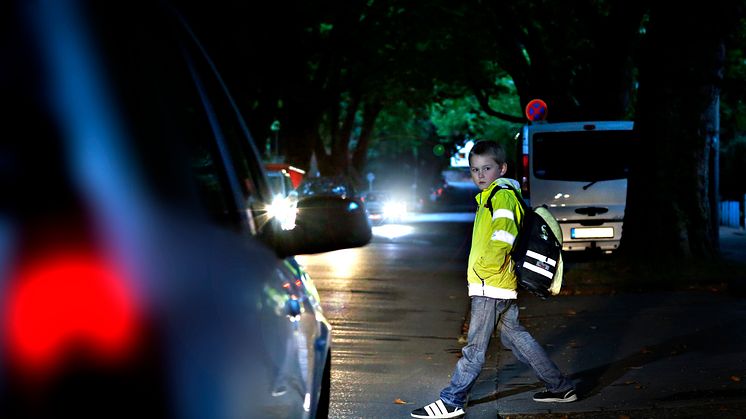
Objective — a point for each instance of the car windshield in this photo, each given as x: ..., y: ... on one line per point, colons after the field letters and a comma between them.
x: 376, y: 197
x: 584, y: 156
x: 326, y: 186
x: 279, y: 183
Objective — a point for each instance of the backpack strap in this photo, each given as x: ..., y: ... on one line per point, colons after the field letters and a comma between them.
x: 520, y: 200
x: 488, y: 205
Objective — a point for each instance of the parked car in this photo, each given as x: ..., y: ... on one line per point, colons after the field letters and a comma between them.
x: 142, y: 272
x: 587, y: 197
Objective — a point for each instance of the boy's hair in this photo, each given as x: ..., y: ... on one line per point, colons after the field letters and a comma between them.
x: 489, y: 148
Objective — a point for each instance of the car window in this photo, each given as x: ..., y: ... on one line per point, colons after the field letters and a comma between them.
x: 280, y: 183
x: 244, y: 162
x: 176, y: 104
x: 375, y: 197
x: 241, y: 155
x: 332, y: 185
x: 164, y: 115
x: 582, y: 155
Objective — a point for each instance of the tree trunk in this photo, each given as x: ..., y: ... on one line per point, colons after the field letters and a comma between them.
x: 607, y: 95
x: 360, y: 156
x: 299, y: 133
x: 671, y: 204
x: 341, y: 136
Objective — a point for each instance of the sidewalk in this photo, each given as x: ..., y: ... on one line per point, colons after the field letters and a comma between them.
x: 733, y: 244
x: 651, y: 355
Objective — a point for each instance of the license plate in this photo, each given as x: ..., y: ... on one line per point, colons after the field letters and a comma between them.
x: 592, y: 232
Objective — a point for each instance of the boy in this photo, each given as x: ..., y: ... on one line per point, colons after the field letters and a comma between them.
x: 492, y: 288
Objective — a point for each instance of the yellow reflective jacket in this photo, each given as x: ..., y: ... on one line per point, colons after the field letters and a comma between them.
x: 490, y: 272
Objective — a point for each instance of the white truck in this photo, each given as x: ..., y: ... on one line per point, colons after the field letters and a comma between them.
x: 579, y: 170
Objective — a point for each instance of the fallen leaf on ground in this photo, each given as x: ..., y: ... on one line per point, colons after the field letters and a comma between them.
x: 400, y: 401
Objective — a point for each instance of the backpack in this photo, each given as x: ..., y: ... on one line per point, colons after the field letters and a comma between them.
x: 537, y: 252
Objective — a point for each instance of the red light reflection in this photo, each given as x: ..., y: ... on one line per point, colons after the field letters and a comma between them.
x: 65, y: 303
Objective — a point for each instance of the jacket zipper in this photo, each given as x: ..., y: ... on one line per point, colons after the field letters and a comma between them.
x: 480, y: 278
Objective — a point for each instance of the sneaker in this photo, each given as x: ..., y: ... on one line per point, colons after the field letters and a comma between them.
x: 561, y: 397
x: 439, y: 409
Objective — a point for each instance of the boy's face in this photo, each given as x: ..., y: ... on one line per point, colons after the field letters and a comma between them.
x: 484, y: 170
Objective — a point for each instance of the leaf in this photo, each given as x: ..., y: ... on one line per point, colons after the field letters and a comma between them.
x: 399, y: 401
x: 735, y: 378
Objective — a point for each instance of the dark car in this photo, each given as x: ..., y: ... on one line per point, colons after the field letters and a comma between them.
x: 142, y: 273
x: 318, y: 194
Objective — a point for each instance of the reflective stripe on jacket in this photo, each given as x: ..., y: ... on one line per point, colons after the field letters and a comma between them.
x: 490, y: 272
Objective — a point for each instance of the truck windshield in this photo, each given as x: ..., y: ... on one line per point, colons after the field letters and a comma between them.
x: 583, y: 156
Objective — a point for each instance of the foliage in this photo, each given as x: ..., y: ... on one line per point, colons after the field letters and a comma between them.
x: 460, y: 118
x: 397, y: 132
x: 733, y: 117
x: 390, y: 79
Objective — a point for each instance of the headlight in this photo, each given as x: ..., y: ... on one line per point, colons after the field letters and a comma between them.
x: 285, y: 210
x: 394, y: 209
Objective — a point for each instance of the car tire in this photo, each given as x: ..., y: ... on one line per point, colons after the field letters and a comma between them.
x: 322, y: 408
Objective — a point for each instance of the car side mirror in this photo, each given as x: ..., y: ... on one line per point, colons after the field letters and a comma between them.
x: 325, y: 223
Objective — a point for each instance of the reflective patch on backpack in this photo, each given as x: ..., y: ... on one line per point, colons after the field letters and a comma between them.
x: 544, y: 235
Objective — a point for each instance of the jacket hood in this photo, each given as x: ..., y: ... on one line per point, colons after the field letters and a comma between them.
x: 508, y: 181
x: 499, y: 182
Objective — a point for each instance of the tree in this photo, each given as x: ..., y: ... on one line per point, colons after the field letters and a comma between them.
x: 733, y: 117
x: 577, y: 56
x: 673, y: 193
x: 328, y: 71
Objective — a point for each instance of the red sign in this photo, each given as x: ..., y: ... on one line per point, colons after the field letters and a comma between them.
x: 536, y: 110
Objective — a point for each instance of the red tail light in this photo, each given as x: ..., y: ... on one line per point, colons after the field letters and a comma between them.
x: 66, y: 305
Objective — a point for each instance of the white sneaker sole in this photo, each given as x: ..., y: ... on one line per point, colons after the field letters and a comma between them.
x: 455, y: 414
x: 558, y: 400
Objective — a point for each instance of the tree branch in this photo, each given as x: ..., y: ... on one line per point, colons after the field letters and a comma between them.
x: 484, y: 103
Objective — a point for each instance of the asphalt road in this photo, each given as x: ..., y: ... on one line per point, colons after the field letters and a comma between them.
x: 397, y: 307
